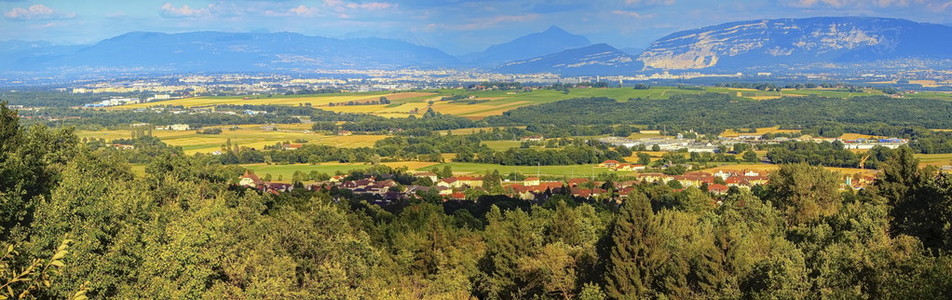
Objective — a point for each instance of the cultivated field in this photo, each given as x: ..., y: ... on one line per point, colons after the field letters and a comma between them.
x: 252, y: 136
x: 760, y: 131
x: 935, y: 159
x: 319, y: 100
x: 490, y: 103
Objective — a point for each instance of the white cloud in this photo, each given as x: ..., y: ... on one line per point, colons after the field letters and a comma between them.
x: 633, y: 14
x: 36, y: 12
x: 171, y: 11
x: 342, y: 9
x: 341, y: 6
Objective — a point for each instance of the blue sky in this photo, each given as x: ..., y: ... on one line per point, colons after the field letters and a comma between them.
x: 455, y: 26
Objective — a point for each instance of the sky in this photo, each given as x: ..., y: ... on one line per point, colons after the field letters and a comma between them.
x: 454, y: 26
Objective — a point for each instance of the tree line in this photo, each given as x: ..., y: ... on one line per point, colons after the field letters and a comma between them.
x: 713, y: 113
x: 183, y: 230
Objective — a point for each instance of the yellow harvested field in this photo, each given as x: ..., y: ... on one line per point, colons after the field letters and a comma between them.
x: 359, y: 109
x: 252, y: 136
x: 477, y: 111
x: 853, y: 136
x: 639, y: 135
x: 316, y: 101
x: 930, y: 83
x: 775, y: 129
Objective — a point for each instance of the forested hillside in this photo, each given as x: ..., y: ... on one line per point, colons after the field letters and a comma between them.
x: 184, y: 231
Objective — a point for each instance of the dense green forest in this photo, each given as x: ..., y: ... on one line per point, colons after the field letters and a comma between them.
x: 184, y: 231
x: 712, y: 113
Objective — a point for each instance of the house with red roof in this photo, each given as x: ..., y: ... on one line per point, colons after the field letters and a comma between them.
x: 718, y: 189
x: 249, y: 179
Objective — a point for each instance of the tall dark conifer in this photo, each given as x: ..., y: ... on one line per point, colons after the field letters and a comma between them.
x: 635, y: 251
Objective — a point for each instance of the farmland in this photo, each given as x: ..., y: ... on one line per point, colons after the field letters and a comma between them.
x: 935, y: 159
x: 286, y: 171
x: 252, y: 136
x: 481, y: 104
x: 760, y: 131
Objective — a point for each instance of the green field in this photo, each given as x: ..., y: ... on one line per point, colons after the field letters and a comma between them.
x: 569, y: 170
x: 935, y: 159
x: 286, y: 171
x: 502, y: 145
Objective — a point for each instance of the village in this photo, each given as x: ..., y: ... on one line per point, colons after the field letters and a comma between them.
x: 681, y: 143
x: 468, y: 187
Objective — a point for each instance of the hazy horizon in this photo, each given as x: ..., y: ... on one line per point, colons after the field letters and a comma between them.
x: 456, y: 27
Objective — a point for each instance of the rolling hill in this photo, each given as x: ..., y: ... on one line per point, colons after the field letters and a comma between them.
x: 550, y: 41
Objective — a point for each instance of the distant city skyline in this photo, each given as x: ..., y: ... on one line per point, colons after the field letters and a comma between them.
x: 454, y: 26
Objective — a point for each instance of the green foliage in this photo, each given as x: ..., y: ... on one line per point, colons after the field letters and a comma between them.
x: 25, y: 281
x: 182, y: 230
x: 804, y: 193
x: 636, y: 252
x: 921, y: 200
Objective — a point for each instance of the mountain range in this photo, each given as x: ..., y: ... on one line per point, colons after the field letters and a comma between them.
x: 229, y: 52
x: 747, y: 44
x: 779, y: 43
x: 551, y: 40
x: 600, y: 59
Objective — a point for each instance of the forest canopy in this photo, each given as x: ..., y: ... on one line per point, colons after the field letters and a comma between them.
x: 183, y: 230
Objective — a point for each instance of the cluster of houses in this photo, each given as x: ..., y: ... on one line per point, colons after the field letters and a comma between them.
x: 692, y: 145
x: 112, y: 102
x: 862, y: 143
x: 531, y: 188
x: 615, y: 165
x: 663, y: 143
x: 856, y: 143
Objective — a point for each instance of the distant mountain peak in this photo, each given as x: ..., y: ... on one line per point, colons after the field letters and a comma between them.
x: 556, y: 29
x: 597, y: 59
x: 553, y: 39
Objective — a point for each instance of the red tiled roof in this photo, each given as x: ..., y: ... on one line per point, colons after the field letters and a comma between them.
x: 717, y: 188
